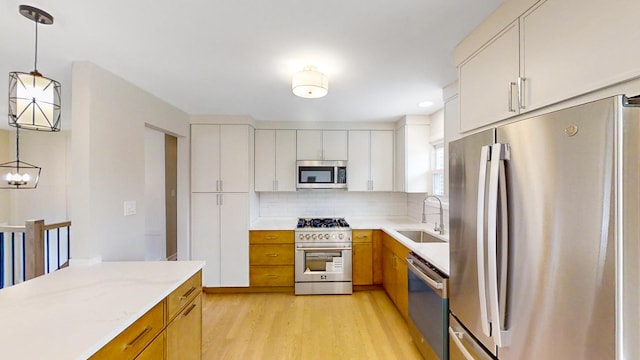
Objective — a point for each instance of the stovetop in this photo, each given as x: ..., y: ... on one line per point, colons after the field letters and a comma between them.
x: 311, y: 223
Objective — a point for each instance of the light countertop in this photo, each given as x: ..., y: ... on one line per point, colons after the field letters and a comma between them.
x: 435, y: 253
x: 73, y: 312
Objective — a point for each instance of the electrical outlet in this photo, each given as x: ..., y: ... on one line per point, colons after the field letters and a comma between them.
x: 129, y: 208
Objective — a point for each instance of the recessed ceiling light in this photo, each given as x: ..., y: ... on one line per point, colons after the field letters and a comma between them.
x: 425, y: 104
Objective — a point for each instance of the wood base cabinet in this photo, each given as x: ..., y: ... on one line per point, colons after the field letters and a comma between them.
x: 170, y: 330
x: 184, y: 333
x: 395, y: 272
x: 362, y: 253
x: 271, y: 258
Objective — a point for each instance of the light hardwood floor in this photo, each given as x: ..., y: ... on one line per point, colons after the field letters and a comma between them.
x: 365, y: 325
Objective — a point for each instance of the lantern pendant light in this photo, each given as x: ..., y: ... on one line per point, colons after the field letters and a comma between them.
x: 34, y: 100
x: 19, y: 174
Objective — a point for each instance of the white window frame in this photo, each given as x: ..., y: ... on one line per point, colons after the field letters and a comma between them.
x: 435, y: 170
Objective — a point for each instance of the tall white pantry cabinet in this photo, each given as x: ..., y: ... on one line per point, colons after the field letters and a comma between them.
x: 220, y: 185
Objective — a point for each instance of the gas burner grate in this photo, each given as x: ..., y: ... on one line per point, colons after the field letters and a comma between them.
x: 322, y: 223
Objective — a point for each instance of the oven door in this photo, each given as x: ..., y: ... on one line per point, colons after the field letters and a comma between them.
x: 324, y: 262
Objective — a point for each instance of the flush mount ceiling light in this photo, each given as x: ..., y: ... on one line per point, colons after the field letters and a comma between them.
x: 425, y: 104
x: 19, y: 174
x: 34, y: 100
x: 310, y: 83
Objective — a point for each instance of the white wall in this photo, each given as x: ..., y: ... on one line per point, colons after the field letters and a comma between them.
x: 109, y: 116
x: 332, y: 203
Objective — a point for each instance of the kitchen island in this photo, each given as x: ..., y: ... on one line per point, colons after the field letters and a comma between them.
x: 74, y: 312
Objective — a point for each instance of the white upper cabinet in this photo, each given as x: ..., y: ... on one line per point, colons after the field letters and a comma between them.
x: 275, y: 160
x: 322, y: 145
x: 234, y: 158
x: 381, y: 160
x: 205, y: 158
x: 359, y: 165
x: 570, y: 50
x: 413, y: 158
x: 220, y: 158
x: 551, y: 52
x: 489, y: 81
x: 370, y: 166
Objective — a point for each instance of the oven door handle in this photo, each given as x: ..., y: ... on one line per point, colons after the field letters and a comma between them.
x: 424, y: 277
x: 321, y: 248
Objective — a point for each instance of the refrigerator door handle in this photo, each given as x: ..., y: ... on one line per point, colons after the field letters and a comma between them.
x: 499, y: 153
x: 480, y: 251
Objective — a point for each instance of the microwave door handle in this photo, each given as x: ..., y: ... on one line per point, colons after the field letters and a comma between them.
x: 499, y: 152
x: 480, y: 252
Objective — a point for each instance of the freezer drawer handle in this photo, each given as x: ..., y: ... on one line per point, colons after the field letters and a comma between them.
x: 456, y: 336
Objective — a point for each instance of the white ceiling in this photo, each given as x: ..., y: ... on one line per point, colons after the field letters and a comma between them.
x: 237, y: 56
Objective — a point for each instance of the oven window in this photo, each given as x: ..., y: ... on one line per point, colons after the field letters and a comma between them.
x: 325, y: 261
x: 316, y: 174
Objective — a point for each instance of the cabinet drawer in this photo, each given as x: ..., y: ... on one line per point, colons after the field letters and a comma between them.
x: 271, y: 237
x: 133, y: 339
x: 271, y: 254
x: 362, y: 236
x: 184, y: 294
x: 278, y: 275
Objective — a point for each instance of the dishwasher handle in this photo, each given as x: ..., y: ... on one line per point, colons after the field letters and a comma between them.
x: 434, y: 284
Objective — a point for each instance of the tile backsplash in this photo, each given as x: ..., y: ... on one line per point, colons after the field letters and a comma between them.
x: 332, y: 203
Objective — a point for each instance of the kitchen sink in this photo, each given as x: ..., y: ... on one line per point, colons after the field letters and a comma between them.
x: 420, y: 236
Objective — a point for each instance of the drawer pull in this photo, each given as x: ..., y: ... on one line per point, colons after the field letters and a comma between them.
x: 186, y: 313
x: 271, y: 237
x: 272, y: 255
x: 272, y: 276
x: 362, y: 237
x: 186, y: 295
x: 138, y: 338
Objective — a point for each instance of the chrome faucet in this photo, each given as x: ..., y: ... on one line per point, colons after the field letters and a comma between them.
x: 439, y: 227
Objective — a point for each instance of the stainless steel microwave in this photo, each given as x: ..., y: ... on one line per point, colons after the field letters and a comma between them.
x: 317, y: 174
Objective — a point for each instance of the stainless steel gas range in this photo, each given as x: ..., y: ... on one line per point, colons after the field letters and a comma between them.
x: 323, y: 256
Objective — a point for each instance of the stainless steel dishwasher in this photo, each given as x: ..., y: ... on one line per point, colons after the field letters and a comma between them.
x: 428, y: 308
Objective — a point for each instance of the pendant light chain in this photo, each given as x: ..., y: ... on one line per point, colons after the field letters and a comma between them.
x: 35, y: 58
x: 18, y: 150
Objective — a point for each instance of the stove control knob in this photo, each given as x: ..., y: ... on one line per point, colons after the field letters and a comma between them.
x: 307, y: 236
x: 340, y: 236
x: 326, y: 236
x: 301, y: 236
x: 313, y: 236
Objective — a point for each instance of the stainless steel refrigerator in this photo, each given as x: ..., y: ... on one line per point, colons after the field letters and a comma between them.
x: 544, y: 218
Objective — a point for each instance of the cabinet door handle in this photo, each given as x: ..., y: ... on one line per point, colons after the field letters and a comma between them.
x: 221, y: 182
x: 188, y: 293
x: 217, y: 185
x: 189, y: 310
x: 272, y: 255
x: 510, y: 93
x: 138, y: 338
x: 272, y: 276
x: 221, y: 197
x: 521, y: 92
x: 271, y: 237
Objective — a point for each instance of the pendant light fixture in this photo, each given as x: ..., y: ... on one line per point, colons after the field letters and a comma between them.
x: 34, y: 100
x: 310, y: 83
x: 18, y: 174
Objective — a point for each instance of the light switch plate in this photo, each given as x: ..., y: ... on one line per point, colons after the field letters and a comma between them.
x: 129, y: 208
